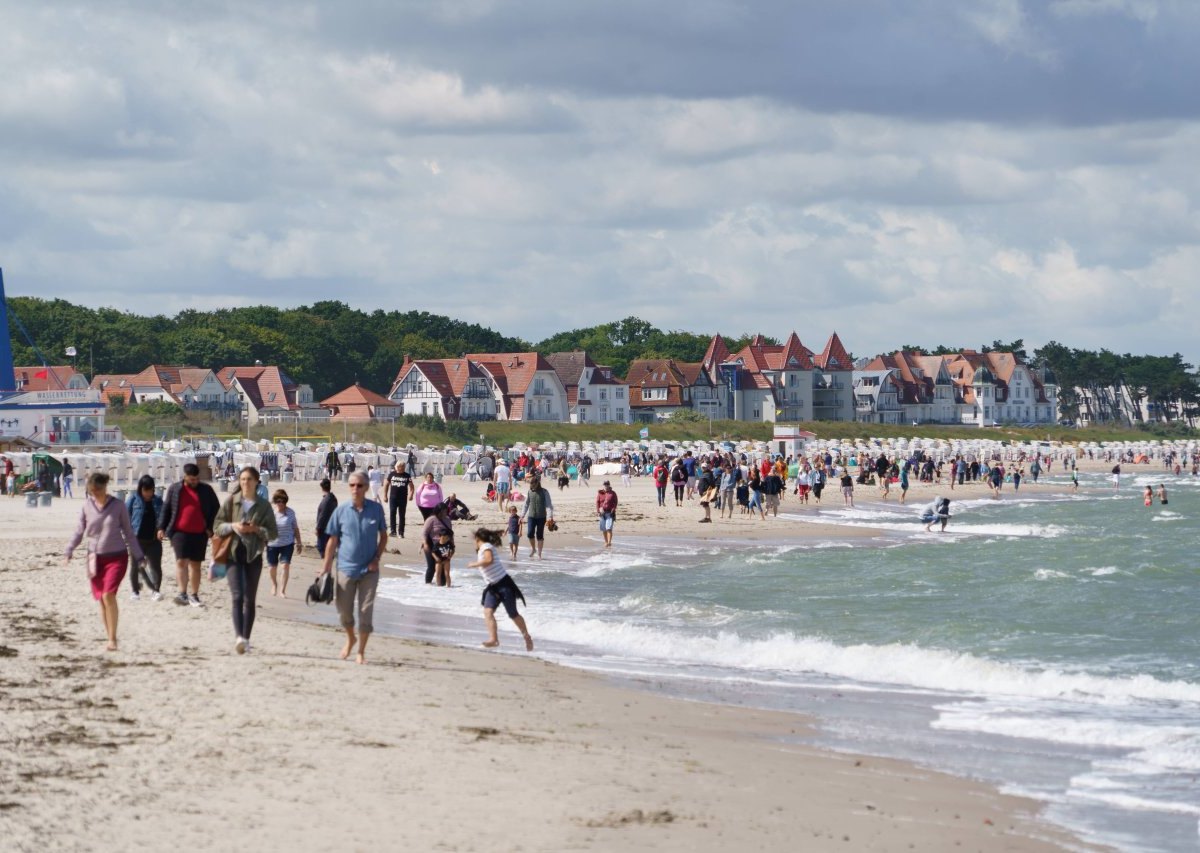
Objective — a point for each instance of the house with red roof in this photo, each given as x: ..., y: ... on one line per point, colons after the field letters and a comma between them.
x: 925, y: 390
x: 999, y: 387
x: 113, y: 386
x: 785, y: 382
x: 61, y: 377
x: 659, y: 387
x: 357, y: 403
x: 968, y: 387
x: 447, y: 388
x: 268, y: 395
x: 595, y: 395
x: 525, y: 385
x: 184, y: 385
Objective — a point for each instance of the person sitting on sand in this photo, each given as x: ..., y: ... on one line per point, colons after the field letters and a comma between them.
x: 500, y: 589
x: 357, y: 537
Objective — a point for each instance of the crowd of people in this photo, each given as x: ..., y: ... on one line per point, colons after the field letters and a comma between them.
x: 250, y: 526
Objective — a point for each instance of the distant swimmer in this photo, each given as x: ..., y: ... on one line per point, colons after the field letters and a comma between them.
x: 1116, y: 477
x: 1148, y: 496
x: 937, y: 511
x: 1162, y: 494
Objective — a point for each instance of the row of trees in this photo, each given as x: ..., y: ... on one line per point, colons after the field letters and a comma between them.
x: 1104, y: 386
x: 327, y: 345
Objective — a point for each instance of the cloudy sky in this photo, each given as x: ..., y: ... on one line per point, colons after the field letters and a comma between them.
x: 919, y: 172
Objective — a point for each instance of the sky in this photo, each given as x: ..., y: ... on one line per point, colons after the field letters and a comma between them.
x: 926, y: 172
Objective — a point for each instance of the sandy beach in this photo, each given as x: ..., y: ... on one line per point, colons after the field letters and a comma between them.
x: 176, y: 742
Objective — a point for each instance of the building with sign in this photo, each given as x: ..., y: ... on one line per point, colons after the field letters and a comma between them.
x: 55, y: 417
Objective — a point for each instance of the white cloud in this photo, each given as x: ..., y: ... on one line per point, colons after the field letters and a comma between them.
x: 240, y: 156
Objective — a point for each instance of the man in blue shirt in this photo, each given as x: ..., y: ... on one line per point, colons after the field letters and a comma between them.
x: 357, y: 536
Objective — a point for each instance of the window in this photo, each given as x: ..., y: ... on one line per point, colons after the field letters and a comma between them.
x: 620, y: 415
x: 424, y: 408
x: 619, y: 394
x: 435, y: 411
x: 757, y: 413
x: 603, y: 414
x: 603, y: 394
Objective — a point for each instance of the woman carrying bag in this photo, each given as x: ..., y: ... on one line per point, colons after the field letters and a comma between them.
x: 250, y: 521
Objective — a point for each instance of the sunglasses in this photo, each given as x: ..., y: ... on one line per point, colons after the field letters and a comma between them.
x: 357, y: 485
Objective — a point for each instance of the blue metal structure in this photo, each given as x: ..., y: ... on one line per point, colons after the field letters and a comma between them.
x: 8, y: 380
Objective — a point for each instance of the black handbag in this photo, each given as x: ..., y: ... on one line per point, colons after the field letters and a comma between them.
x: 320, y: 591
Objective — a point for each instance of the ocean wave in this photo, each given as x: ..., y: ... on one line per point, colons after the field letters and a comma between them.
x: 897, y: 664
x: 1157, y: 747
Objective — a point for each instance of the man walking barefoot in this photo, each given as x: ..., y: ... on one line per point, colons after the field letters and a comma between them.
x: 357, y: 536
x: 606, y: 511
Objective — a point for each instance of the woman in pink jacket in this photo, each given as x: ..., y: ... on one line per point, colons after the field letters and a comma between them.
x: 105, y: 522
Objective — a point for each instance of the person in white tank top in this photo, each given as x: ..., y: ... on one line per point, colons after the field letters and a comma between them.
x: 500, y: 589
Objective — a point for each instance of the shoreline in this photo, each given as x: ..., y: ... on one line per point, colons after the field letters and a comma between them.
x: 259, y: 747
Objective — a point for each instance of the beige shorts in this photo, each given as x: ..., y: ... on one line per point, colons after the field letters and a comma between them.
x: 357, y: 595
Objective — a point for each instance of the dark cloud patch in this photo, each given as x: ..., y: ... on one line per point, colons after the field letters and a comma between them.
x: 926, y: 60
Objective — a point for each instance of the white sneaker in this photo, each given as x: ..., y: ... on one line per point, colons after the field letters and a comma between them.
x: 156, y: 597
x: 194, y: 601
x: 240, y: 645
x: 133, y: 596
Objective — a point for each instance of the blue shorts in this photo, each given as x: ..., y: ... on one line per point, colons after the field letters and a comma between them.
x: 535, y: 528
x: 606, y: 522
x: 503, y: 488
x: 504, y: 591
x: 280, y: 554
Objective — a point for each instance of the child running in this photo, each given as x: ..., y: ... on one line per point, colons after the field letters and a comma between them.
x: 500, y: 589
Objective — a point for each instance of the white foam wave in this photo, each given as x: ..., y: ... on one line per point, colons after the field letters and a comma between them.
x: 907, y: 665
x: 1047, y: 574
x: 610, y: 561
x: 1174, y: 746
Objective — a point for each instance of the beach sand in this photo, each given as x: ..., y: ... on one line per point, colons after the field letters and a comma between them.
x: 175, y: 742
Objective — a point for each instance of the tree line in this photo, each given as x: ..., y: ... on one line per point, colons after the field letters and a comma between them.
x: 327, y: 345
x: 1110, y: 387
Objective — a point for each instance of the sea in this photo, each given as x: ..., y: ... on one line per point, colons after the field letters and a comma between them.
x: 1046, y: 643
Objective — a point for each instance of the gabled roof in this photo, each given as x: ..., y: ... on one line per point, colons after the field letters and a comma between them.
x: 357, y: 395
x: 517, y: 368
x: 758, y: 356
x: 265, y: 386
x: 112, y: 385
x: 656, y: 373
x: 53, y: 378
x: 434, y: 371
x: 717, y: 352
x: 569, y: 366
x: 834, y: 356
